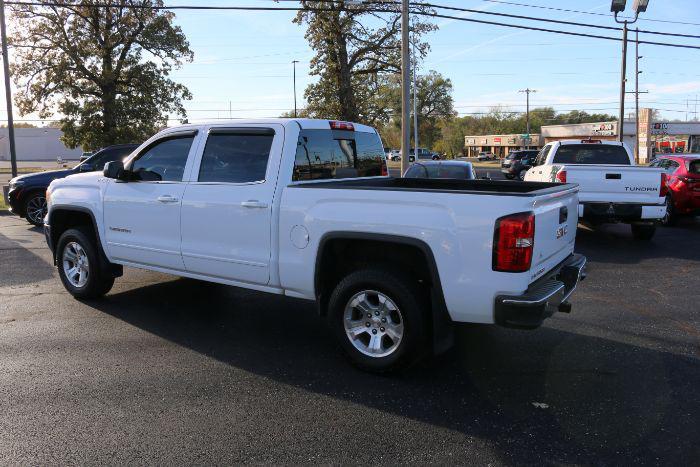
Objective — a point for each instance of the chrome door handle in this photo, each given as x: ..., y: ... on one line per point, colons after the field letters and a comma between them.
x: 254, y: 203
x: 168, y: 199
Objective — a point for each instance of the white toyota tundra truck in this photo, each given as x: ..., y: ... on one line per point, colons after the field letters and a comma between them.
x: 305, y: 208
x: 611, y: 188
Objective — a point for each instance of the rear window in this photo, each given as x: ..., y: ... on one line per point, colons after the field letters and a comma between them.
x: 461, y: 172
x: 694, y: 167
x: 591, y: 154
x: 333, y: 154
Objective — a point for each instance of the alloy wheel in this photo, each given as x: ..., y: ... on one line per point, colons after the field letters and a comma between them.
x: 76, y: 266
x: 373, y: 323
x: 36, y: 209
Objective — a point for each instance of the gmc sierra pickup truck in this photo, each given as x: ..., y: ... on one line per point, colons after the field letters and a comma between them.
x: 611, y: 188
x: 305, y: 208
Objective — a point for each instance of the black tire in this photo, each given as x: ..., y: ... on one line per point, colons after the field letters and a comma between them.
x: 643, y: 232
x: 671, y: 217
x: 35, y: 208
x: 413, y: 310
x: 509, y: 176
x: 521, y: 175
x: 98, y: 281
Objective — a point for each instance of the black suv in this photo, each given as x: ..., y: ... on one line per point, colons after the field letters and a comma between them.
x: 517, y: 163
x: 27, y: 192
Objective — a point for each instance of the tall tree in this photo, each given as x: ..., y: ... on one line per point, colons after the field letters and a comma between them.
x: 355, y: 45
x: 103, y: 65
x: 434, y: 103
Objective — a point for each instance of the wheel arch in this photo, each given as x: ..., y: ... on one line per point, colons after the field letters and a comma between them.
x: 63, y: 218
x: 406, y: 251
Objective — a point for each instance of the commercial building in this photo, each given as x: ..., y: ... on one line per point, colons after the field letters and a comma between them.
x: 37, y: 144
x: 500, y: 145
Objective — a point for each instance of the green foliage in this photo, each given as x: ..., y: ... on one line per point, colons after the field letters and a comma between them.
x: 356, y: 47
x: 103, y: 69
x: 434, y: 103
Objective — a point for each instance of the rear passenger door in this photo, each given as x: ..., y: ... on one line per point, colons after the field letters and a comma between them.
x: 227, y: 205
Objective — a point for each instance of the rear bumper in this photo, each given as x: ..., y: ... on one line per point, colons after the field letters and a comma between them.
x: 543, y: 298
x: 621, y: 212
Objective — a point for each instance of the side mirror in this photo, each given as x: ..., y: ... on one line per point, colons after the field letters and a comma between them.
x: 86, y: 167
x: 114, y: 169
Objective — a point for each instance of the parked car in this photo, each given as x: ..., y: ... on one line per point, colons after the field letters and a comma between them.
x: 27, y: 192
x: 423, y: 155
x: 442, y: 169
x: 683, y: 181
x: 517, y: 163
x: 395, y: 155
x: 311, y: 213
x: 612, y: 188
x: 85, y: 155
x: 485, y: 156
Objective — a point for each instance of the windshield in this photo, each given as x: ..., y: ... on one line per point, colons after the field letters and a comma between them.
x: 591, y: 154
x: 100, y: 158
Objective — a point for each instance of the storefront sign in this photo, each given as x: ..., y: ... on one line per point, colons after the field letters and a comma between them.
x: 604, y: 129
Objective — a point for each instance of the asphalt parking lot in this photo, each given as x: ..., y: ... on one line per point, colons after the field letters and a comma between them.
x: 166, y: 370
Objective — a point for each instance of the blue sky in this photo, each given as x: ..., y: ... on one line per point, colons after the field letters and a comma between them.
x: 243, y: 59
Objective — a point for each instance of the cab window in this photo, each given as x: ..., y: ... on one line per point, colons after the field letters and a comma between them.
x: 236, y: 155
x: 163, y: 161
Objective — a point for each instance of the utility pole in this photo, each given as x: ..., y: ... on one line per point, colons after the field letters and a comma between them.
x: 527, y: 112
x: 294, y: 80
x: 8, y: 91
x: 405, y: 88
x: 415, y: 104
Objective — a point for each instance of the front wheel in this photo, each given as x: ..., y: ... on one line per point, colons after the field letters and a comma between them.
x: 509, y: 176
x: 643, y: 232
x: 521, y: 175
x: 378, y: 319
x: 35, y: 208
x: 79, y: 266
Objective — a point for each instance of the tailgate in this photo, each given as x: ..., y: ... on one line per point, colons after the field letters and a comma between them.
x: 556, y: 219
x: 616, y: 184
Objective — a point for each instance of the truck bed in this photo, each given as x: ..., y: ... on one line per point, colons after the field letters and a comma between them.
x: 472, y: 187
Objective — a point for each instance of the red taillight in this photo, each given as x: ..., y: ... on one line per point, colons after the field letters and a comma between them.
x: 385, y: 170
x: 561, y: 176
x: 336, y: 125
x: 663, y: 191
x: 513, y: 242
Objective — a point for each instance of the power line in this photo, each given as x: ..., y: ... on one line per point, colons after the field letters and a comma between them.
x: 587, y: 12
x: 375, y: 10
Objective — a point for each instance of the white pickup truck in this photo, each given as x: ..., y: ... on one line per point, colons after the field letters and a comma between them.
x: 305, y: 208
x: 611, y: 187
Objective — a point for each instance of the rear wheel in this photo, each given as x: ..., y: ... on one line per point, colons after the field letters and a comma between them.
x: 378, y: 319
x: 521, y: 175
x: 35, y: 208
x: 509, y: 176
x: 79, y: 266
x: 643, y: 231
x: 670, y: 216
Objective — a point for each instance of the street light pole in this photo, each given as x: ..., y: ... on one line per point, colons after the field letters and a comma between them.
x: 8, y: 90
x: 405, y: 88
x: 623, y: 79
x: 415, y: 104
x: 636, y: 94
x: 618, y: 6
x: 294, y: 79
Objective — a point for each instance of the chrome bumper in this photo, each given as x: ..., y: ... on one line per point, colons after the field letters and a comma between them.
x: 543, y: 298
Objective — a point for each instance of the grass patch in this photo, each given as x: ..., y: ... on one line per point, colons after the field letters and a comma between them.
x: 3, y: 206
x: 22, y: 170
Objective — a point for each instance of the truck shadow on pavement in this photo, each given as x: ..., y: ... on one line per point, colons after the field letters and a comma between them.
x: 545, y: 396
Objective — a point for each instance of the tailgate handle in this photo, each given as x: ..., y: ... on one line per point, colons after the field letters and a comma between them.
x: 613, y: 176
x: 563, y: 214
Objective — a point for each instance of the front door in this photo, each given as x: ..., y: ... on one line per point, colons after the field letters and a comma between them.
x: 227, y: 206
x: 142, y: 215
